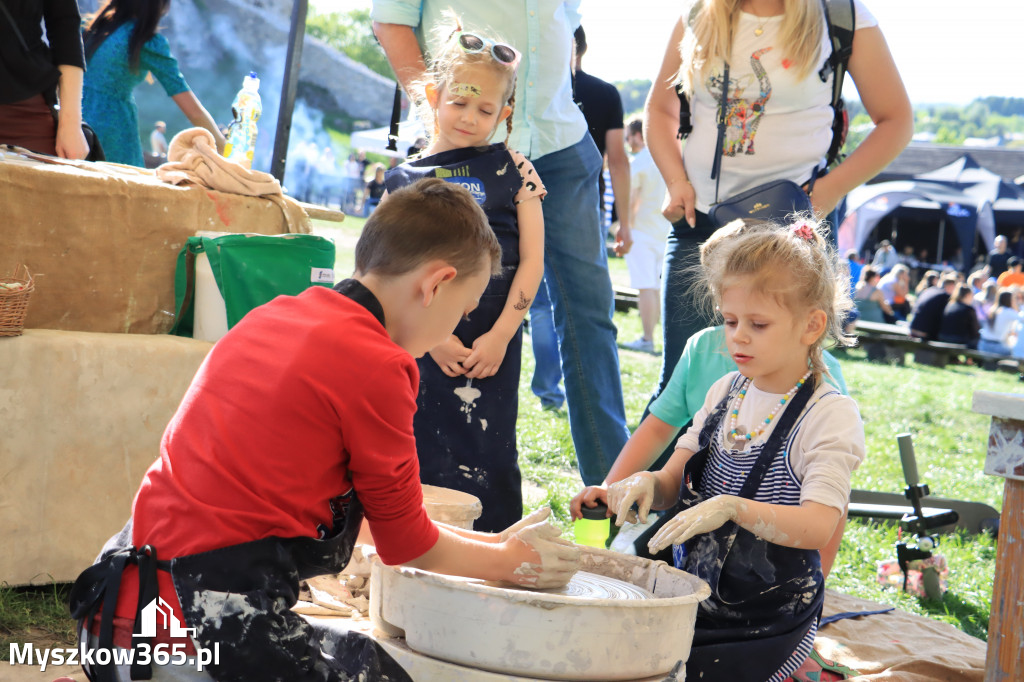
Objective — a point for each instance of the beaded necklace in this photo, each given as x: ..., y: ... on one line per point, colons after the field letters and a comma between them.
x: 737, y: 433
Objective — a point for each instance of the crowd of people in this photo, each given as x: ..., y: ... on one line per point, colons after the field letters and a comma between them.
x: 355, y: 185
x: 981, y: 310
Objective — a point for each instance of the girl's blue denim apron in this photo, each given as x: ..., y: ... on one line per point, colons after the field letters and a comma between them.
x: 466, y: 429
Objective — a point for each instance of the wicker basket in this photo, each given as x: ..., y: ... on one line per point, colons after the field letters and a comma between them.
x: 14, y: 294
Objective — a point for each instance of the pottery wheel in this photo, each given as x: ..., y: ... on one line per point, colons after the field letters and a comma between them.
x: 593, y: 586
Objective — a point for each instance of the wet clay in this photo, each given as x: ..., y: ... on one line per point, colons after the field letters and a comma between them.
x: 586, y: 585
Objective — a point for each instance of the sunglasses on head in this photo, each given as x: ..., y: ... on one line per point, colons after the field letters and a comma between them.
x: 472, y: 43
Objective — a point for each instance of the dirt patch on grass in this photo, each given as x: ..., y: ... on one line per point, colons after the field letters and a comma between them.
x: 44, y: 642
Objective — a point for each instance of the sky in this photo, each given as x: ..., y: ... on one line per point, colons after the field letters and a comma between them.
x: 946, y: 50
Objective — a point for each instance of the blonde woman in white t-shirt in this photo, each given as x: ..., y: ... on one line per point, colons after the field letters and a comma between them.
x: 779, y: 122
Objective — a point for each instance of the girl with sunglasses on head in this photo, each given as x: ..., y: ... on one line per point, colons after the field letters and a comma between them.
x: 468, y: 401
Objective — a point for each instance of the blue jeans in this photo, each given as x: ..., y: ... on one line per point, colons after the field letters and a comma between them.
x: 547, y: 373
x: 682, y: 313
x: 993, y: 347
x: 576, y: 272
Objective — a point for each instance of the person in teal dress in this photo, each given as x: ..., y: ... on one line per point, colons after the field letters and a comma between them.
x: 122, y: 45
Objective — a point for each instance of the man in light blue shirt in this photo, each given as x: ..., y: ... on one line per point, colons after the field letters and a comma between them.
x: 550, y: 130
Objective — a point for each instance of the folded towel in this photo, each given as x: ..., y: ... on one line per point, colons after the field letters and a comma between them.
x: 192, y: 157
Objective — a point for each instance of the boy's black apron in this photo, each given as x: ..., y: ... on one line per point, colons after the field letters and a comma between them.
x: 239, y: 598
x: 466, y: 429
x: 765, y: 598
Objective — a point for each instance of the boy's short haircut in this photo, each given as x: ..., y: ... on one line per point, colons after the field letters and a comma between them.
x: 427, y: 220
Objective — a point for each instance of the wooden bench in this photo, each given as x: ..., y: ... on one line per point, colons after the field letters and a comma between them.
x: 891, y: 342
x: 885, y: 342
x: 625, y: 298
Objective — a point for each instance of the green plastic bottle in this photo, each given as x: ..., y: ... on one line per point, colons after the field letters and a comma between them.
x: 595, y: 526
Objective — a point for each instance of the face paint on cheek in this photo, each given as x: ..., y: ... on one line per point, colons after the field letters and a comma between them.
x: 464, y: 90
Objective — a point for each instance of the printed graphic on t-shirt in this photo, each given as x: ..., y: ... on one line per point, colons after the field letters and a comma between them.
x: 460, y: 176
x: 743, y: 115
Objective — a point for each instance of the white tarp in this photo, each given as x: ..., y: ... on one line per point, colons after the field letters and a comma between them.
x: 376, y: 140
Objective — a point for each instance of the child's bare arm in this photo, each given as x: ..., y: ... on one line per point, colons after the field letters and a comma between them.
x: 807, y: 526
x: 489, y: 348
x: 532, y: 556
x: 536, y: 516
x: 641, y: 450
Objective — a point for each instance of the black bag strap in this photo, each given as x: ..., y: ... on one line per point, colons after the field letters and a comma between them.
x: 840, y: 17
x: 396, y: 114
x: 685, y: 119
x: 716, y: 166
x: 841, y: 20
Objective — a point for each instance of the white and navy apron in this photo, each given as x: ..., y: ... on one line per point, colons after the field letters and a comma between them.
x: 760, y: 620
x: 466, y: 429
x: 239, y: 598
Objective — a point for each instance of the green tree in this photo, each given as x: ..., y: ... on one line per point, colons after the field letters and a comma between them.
x: 634, y: 94
x: 350, y: 32
x: 946, y: 136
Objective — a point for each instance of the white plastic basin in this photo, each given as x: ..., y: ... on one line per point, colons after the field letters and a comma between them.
x: 536, y: 634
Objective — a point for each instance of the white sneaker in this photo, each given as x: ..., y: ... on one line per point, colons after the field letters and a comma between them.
x: 642, y: 345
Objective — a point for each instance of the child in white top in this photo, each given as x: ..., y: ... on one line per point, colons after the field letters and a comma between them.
x: 763, y: 475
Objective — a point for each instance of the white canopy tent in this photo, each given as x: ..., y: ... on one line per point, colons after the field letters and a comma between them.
x: 376, y: 139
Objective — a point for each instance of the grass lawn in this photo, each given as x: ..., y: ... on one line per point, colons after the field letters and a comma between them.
x: 931, y: 404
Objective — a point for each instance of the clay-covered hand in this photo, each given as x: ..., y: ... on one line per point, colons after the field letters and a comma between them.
x: 536, y: 516
x: 637, y: 489
x: 551, y: 560
x: 700, y: 518
x: 449, y: 355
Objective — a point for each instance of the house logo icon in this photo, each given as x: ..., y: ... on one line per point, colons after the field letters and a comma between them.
x: 158, y: 608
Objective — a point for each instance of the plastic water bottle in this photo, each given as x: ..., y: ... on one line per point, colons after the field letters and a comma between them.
x: 246, y: 109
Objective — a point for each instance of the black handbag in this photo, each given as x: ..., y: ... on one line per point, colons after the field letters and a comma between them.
x: 95, y: 150
x: 773, y: 201
x: 91, y: 139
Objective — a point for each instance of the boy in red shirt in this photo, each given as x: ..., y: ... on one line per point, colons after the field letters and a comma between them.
x: 298, y: 425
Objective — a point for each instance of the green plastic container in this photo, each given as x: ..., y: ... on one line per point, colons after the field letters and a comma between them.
x: 595, y: 526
